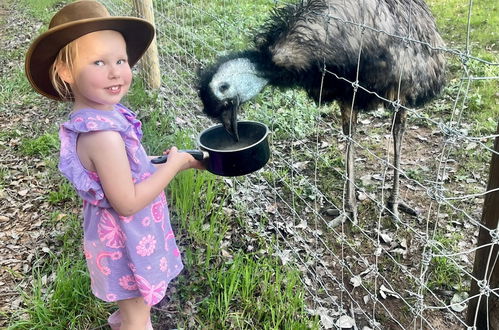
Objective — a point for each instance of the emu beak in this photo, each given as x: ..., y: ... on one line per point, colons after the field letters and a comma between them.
x: 229, y: 120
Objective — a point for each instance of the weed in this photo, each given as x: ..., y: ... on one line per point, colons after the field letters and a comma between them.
x: 64, y: 193
x: 41, y: 146
x: 251, y: 292
x: 444, y: 272
x: 57, y: 301
x: 41, y: 9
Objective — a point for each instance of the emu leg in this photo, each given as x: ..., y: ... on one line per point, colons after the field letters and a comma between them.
x: 349, y: 123
x: 394, y: 204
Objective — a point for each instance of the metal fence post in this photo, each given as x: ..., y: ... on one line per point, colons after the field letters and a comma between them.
x: 483, y: 311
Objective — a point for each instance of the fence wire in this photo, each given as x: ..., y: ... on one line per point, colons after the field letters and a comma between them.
x: 413, y: 273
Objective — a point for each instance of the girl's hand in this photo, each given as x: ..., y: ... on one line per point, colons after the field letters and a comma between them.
x: 183, y: 159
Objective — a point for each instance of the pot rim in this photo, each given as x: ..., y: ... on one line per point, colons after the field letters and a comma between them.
x: 202, y: 146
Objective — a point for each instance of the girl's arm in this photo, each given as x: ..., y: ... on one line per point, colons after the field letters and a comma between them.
x: 104, y: 152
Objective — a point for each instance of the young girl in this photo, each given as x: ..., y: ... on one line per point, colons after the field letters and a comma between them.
x: 129, y: 245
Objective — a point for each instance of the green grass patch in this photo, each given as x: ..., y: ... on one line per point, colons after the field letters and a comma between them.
x: 41, y: 146
x: 444, y: 272
x: 41, y: 9
x: 60, y: 296
x: 255, y: 293
x: 481, y: 102
x: 65, y: 302
x: 452, y: 20
x: 15, y: 88
x: 64, y: 193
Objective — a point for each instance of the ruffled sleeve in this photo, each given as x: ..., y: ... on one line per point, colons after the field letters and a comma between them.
x: 86, y: 183
x: 131, y: 117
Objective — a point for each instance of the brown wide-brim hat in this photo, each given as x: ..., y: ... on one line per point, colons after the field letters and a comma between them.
x: 73, y: 21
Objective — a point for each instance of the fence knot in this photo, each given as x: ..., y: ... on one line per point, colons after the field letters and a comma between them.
x: 427, y: 256
x: 355, y: 86
x: 484, y: 287
x: 464, y: 58
x: 494, y: 235
x: 452, y: 135
x: 418, y: 308
x: 435, y: 193
x: 405, y: 41
x: 396, y: 105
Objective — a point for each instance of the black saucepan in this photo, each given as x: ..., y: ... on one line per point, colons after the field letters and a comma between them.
x: 222, y: 155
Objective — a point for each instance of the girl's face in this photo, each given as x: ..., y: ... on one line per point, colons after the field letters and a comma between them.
x: 101, y: 75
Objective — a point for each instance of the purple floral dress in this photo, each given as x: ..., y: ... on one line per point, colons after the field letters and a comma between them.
x: 131, y: 256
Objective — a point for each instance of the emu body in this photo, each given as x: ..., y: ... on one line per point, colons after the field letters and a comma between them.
x: 362, y: 54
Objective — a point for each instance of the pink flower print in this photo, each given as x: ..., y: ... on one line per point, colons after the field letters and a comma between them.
x: 162, y: 197
x: 146, y: 221
x: 87, y: 254
x: 126, y: 219
x: 168, y: 236
x: 109, y: 231
x: 111, y: 297
x: 157, y: 211
x: 93, y: 176
x: 91, y: 125
x: 152, y: 293
x: 103, y: 268
x: 146, y: 246
x: 163, y: 264
x: 133, y: 146
x: 78, y: 119
x: 176, y: 253
x: 105, y: 120
x: 132, y: 267
x: 128, y: 282
x: 64, y: 142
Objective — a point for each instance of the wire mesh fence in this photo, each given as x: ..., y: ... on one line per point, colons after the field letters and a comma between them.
x: 412, y: 272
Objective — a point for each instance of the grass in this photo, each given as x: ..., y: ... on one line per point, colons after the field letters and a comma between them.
x: 268, y: 296
x: 452, y: 19
x: 444, y: 272
x: 41, y: 146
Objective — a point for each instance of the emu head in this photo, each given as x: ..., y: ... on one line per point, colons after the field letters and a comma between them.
x: 226, y: 85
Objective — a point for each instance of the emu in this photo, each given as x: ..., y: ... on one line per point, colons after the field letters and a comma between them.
x: 362, y: 54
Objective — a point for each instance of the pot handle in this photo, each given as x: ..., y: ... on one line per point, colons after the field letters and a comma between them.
x: 197, y: 154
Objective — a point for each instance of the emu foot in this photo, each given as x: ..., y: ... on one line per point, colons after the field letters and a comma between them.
x: 394, y: 209
x: 341, y: 217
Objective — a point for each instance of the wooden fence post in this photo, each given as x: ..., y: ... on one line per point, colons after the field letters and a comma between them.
x: 483, y: 311
x: 150, y: 60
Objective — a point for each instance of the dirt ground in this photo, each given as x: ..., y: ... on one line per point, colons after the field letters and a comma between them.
x: 24, y: 211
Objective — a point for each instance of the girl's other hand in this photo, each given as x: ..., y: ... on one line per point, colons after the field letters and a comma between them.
x: 184, y: 159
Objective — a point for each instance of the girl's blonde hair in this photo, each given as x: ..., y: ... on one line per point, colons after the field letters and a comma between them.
x: 67, y: 56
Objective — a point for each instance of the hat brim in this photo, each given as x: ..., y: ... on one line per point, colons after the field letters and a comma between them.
x: 138, y: 34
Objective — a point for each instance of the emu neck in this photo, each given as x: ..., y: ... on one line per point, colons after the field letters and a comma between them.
x: 238, y: 78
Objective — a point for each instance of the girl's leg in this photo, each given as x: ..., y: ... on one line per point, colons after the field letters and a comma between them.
x: 135, y: 314
x: 114, y: 320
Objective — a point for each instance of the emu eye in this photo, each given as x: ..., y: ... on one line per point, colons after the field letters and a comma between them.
x: 223, y: 87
